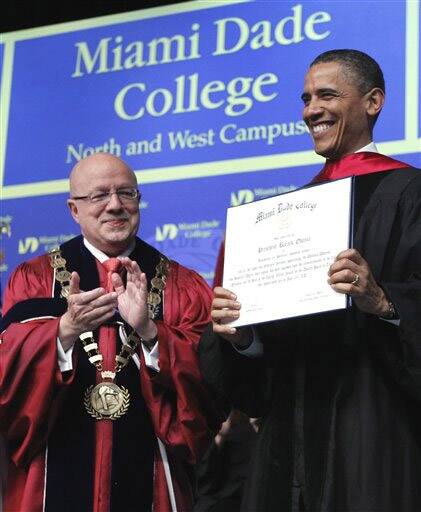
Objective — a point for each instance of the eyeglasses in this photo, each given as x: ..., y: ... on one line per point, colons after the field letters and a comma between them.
x: 125, y: 195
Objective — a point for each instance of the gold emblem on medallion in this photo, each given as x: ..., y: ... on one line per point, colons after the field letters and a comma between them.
x: 106, y: 401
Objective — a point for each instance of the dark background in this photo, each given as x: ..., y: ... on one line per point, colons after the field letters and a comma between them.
x: 22, y: 14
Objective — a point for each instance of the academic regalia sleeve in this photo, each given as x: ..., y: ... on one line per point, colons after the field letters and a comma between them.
x: 183, y: 414
x: 30, y: 379
x: 233, y: 377
x: 403, y: 287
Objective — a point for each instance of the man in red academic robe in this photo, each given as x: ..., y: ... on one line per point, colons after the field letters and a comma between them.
x: 339, y: 393
x: 102, y: 402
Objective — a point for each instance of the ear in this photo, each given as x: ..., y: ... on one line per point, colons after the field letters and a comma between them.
x: 73, y: 209
x: 375, y: 101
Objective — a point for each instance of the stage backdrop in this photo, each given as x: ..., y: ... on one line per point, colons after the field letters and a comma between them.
x: 201, y: 99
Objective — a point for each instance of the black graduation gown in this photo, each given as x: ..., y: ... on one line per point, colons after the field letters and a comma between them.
x: 340, y: 392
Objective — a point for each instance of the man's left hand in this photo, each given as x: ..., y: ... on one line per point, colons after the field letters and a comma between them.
x: 132, y: 299
x: 351, y: 274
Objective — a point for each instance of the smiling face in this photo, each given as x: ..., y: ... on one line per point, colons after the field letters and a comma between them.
x: 338, y: 115
x: 109, y: 226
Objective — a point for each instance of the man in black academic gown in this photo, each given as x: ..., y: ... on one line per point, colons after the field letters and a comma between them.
x: 339, y: 393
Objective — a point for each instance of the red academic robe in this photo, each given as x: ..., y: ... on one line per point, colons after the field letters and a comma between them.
x: 32, y: 387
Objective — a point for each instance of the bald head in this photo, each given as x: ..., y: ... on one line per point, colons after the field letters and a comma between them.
x: 111, y: 224
x: 94, y: 166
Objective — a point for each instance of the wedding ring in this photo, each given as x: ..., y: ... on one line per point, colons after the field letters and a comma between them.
x: 356, y: 279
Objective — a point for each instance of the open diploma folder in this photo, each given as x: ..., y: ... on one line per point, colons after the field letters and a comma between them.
x: 278, y: 252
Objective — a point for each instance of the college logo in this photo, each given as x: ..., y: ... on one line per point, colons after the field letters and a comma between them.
x: 29, y: 244
x: 166, y: 232
x: 241, y: 197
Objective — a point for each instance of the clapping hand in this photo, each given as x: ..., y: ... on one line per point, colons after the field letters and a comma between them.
x: 85, y: 311
x: 132, y: 299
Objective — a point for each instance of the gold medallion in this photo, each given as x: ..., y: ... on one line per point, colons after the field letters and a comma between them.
x: 158, y: 283
x: 154, y: 298
x: 63, y: 275
x: 58, y: 262
x: 106, y: 401
x: 162, y: 267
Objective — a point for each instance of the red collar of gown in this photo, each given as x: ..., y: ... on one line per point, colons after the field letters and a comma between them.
x: 356, y: 164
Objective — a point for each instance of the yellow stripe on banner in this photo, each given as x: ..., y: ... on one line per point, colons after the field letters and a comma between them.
x: 40, y: 188
x: 399, y: 147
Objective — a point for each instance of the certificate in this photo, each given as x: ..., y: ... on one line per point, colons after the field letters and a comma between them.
x: 278, y: 252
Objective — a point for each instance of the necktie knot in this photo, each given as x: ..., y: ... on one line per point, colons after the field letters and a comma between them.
x: 111, y: 265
